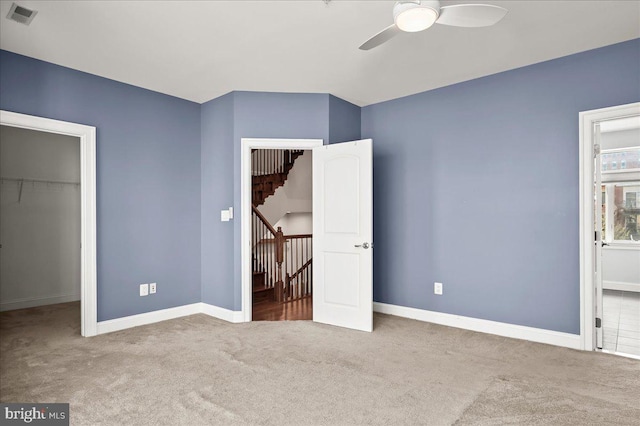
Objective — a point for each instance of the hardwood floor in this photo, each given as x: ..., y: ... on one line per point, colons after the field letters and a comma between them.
x: 267, y: 310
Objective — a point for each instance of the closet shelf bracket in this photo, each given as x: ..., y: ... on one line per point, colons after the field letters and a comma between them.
x: 20, y: 191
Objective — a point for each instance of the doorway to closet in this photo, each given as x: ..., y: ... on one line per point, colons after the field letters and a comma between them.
x: 37, y: 189
x: 39, y: 219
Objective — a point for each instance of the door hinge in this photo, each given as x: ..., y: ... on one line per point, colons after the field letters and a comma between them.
x: 596, y: 149
x: 598, y: 322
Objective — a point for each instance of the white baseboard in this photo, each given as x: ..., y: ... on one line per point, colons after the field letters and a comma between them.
x: 147, y: 318
x: 620, y: 285
x: 221, y: 313
x: 474, y: 324
x: 167, y: 314
x: 539, y: 335
x: 37, y: 301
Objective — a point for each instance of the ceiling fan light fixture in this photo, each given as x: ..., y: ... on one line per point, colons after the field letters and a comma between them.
x: 418, y: 15
x: 415, y: 16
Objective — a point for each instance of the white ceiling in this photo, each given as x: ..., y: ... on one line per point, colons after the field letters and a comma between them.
x: 199, y: 50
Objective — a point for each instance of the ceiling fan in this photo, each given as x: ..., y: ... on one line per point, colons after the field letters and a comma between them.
x: 414, y: 16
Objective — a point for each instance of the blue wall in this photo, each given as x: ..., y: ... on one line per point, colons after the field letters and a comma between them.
x: 344, y: 120
x: 476, y: 186
x: 225, y: 121
x: 271, y: 115
x: 148, y: 178
x: 217, y: 167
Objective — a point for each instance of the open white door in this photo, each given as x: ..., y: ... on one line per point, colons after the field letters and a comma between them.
x: 597, y: 277
x: 342, y: 234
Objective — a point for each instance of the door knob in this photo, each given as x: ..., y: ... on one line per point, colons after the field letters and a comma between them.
x: 363, y: 245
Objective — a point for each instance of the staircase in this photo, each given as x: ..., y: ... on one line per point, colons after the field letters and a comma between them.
x: 270, y: 169
x: 260, y: 291
x: 281, y: 263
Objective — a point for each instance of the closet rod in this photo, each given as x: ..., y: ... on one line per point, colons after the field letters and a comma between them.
x: 21, y: 181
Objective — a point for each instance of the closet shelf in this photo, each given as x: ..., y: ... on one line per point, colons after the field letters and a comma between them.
x: 25, y: 180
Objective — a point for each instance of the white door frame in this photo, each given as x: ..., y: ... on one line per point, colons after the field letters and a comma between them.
x: 88, y: 270
x: 588, y: 119
x: 246, y: 145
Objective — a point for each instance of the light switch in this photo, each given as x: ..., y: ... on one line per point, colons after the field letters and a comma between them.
x: 224, y: 215
x: 230, y: 212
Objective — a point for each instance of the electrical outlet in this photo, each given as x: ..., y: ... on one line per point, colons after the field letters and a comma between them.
x: 144, y: 289
x: 152, y: 288
x: 437, y: 288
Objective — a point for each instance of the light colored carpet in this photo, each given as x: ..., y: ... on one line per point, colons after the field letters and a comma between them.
x: 201, y: 371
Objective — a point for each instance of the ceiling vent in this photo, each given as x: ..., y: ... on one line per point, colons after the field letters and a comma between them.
x: 21, y: 14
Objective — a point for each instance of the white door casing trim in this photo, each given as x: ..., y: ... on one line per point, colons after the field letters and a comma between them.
x: 587, y: 120
x: 88, y: 252
x: 246, y: 145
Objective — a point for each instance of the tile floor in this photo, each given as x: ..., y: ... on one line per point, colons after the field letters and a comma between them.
x: 621, y: 321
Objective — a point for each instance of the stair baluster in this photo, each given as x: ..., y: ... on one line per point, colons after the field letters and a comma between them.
x: 298, y: 267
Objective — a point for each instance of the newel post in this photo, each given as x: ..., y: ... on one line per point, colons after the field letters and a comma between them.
x: 279, y: 259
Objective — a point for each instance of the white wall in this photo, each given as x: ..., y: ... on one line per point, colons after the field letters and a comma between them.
x: 296, y: 223
x: 40, y: 234
x: 620, y: 139
x: 621, y: 269
x: 295, y: 195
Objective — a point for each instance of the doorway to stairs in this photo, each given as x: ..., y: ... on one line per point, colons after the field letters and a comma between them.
x: 342, y: 202
x: 281, y: 234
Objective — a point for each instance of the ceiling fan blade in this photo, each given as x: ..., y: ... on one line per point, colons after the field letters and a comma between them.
x: 383, y: 36
x: 471, y: 15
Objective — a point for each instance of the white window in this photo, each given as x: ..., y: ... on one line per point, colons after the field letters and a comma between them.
x: 621, y: 195
x: 621, y: 160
